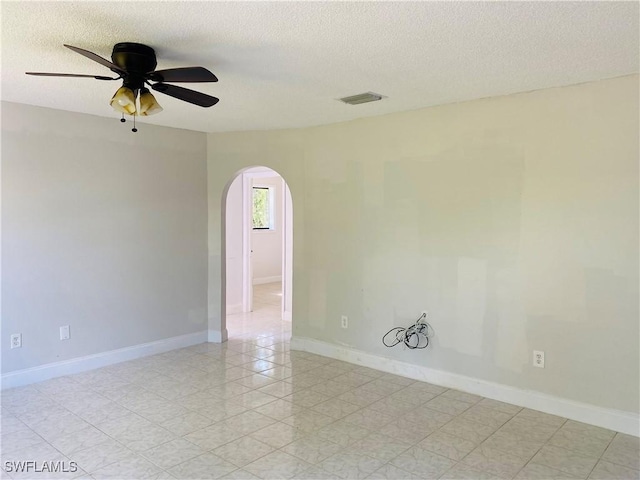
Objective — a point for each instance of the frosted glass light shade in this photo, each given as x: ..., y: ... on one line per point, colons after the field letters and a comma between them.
x: 124, y: 101
x: 148, y: 104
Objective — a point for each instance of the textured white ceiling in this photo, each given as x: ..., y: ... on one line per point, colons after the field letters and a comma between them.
x: 284, y: 64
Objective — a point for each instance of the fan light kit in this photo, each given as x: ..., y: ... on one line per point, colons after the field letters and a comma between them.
x: 135, y: 65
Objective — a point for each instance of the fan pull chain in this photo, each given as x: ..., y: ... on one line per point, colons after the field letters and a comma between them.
x: 134, y: 129
x: 122, y: 119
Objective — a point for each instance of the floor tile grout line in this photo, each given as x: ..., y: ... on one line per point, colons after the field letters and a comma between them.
x: 600, y: 457
x: 538, y: 450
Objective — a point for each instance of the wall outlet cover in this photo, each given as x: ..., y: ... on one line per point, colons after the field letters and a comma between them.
x: 538, y: 358
x: 65, y: 332
x: 16, y: 340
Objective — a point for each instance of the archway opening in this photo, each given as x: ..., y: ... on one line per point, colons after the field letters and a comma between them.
x: 257, y: 263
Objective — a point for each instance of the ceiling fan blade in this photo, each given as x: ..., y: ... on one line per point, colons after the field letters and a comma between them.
x: 185, y: 94
x: 185, y: 74
x: 96, y: 58
x: 97, y: 77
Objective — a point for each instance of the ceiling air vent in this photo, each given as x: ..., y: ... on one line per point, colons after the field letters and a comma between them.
x: 362, y: 98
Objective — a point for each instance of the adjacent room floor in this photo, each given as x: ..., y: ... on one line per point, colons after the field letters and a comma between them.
x: 251, y: 408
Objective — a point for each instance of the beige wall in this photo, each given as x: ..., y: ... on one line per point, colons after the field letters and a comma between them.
x: 512, y: 220
x: 103, y: 230
x: 233, y: 233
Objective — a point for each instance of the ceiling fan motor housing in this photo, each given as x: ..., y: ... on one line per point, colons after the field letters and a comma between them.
x: 134, y: 64
x: 136, y: 59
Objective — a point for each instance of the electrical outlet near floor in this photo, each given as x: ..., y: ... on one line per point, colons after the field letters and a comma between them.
x: 538, y: 358
x: 345, y: 321
x: 16, y: 340
x: 64, y: 332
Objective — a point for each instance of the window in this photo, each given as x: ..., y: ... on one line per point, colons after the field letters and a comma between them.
x: 262, y: 208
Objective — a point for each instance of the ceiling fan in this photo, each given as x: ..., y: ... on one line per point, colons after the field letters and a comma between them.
x: 135, y: 64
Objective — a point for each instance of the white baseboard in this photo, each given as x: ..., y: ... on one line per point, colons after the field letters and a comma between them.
x: 287, y: 316
x: 233, y: 309
x: 618, y: 420
x: 218, y: 336
x: 89, y: 362
x: 261, y: 280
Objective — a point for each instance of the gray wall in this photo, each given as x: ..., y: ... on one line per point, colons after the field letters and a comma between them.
x: 512, y: 220
x: 103, y: 230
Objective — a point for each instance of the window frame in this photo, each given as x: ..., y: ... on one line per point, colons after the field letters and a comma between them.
x: 270, y: 208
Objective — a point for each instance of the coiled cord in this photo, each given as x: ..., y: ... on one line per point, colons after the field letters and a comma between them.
x: 414, y: 337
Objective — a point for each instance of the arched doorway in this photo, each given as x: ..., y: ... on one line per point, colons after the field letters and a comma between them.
x: 257, y: 246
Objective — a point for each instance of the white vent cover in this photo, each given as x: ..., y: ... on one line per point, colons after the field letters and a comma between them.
x: 362, y: 98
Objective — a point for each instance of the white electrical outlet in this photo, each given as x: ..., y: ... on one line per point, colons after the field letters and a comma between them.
x: 345, y: 321
x: 16, y: 340
x: 538, y: 358
x: 64, y: 332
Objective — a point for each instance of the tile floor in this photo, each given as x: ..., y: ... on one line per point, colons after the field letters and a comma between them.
x: 251, y: 408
